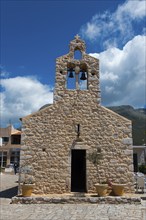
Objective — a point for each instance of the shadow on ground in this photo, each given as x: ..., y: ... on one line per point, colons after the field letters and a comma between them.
x: 9, y: 193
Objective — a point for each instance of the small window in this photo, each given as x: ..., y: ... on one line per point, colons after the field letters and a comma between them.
x: 15, y: 139
x: 5, y: 139
x: 77, y: 55
x: 4, y: 153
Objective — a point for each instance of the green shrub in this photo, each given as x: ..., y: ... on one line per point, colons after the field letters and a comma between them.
x: 142, y: 168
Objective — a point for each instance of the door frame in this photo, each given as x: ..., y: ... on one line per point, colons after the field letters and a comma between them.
x: 84, y: 166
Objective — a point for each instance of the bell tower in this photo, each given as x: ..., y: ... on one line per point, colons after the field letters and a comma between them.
x: 77, y: 74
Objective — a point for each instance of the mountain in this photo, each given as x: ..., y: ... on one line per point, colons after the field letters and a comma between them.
x: 138, y: 118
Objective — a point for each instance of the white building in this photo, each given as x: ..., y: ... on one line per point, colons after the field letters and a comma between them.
x: 139, y: 156
x: 10, y: 139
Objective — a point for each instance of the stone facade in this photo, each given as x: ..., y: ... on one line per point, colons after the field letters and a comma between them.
x: 61, y: 141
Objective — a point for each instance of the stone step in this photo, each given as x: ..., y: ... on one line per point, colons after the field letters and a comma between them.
x: 75, y: 199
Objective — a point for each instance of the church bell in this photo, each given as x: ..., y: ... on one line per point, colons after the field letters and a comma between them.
x: 83, y: 76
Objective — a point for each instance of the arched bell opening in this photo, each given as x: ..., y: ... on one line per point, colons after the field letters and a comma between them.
x: 71, y: 81
x: 77, y: 76
x: 77, y: 54
x: 83, y: 77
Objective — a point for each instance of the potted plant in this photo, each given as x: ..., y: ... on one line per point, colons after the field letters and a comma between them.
x: 95, y: 157
x: 118, y: 189
x: 102, y: 189
x: 107, y: 187
x: 27, y: 181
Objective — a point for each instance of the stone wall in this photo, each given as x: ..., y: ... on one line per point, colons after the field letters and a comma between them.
x: 49, y: 135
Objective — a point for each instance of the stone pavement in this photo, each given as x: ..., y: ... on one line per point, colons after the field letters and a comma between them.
x: 72, y: 212
x: 65, y: 211
x: 8, y: 187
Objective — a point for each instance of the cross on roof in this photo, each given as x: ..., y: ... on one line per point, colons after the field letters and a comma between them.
x: 77, y: 37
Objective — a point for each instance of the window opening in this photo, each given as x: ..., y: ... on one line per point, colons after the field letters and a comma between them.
x: 71, y: 80
x: 77, y: 55
x: 77, y: 78
x: 5, y: 140
x: 15, y: 157
x: 83, y: 80
x: 3, y: 159
x: 15, y: 139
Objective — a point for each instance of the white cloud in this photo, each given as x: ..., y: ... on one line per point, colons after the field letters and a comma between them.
x: 22, y: 96
x: 112, y: 29
x: 92, y: 30
x: 134, y: 9
x: 110, y: 76
x: 3, y: 72
x: 122, y: 73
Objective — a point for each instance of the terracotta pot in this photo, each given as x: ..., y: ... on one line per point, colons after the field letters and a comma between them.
x: 27, y: 189
x: 102, y: 189
x: 118, y: 189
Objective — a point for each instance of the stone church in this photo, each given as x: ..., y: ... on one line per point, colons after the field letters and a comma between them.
x: 74, y: 143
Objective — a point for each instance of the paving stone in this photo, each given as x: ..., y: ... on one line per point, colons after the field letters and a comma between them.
x: 69, y: 211
x: 73, y: 212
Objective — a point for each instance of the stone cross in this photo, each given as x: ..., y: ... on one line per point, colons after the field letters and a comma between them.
x: 77, y: 37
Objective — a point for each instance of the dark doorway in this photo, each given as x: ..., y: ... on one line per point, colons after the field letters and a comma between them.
x: 135, y: 162
x: 78, y: 171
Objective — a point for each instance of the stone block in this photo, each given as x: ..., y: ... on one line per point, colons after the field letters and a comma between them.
x: 120, y: 169
x: 128, y: 152
x: 127, y: 141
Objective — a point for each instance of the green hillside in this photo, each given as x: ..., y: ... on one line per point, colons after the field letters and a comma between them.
x: 138, y: 118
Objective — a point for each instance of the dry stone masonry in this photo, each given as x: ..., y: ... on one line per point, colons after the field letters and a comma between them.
x: 75, y: 142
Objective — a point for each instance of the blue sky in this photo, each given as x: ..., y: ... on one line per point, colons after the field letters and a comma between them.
x: 35, y: 33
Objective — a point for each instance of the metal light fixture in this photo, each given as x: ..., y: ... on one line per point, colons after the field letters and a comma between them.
x: 78, y: 130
